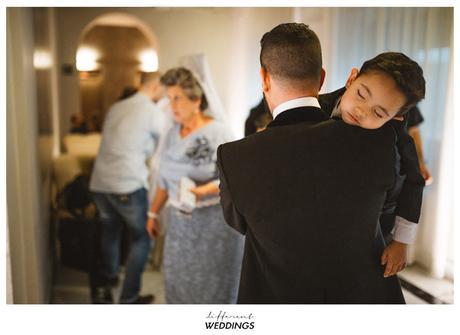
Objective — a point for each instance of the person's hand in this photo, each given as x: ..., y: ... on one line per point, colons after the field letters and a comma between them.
x: 395, y: 258
x: 153, y: 228
x: 200, y: 191
x: 426, y: 174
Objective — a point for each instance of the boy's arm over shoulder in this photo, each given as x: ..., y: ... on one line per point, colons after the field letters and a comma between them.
x: 409, y: 201
x: 231, y: 214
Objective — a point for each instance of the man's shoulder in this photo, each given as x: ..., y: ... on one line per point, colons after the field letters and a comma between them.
x: 137, y: 100
x: 377, y: 145
x: 253, y: 141
x: 384, y: 135
x: 334, y: 136
x: 331, y: 134
x: 235, y: 144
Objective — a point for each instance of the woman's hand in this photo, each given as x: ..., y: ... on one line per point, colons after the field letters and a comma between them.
x: 153, y: 228
x: 200, y: 191
x: 207, y: 189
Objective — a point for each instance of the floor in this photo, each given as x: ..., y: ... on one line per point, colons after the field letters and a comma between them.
x: 71, y: 287
x: 421, y: 288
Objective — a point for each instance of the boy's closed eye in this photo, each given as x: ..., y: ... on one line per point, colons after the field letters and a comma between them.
x: 379, y: 115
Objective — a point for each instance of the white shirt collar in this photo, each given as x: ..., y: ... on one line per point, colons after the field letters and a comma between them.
x: 336, y: 111
x: 294, y: 103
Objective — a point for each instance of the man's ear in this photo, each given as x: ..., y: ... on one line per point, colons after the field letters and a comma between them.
x: 265, y: 76
x: 352, y: 77
x: 323, y: 77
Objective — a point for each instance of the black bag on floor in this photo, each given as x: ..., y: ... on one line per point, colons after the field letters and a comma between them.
x: 79, y: 235
x: 78, y: 242
x: 77, y: 225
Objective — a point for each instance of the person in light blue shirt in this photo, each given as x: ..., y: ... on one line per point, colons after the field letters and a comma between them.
x: 119, y: 182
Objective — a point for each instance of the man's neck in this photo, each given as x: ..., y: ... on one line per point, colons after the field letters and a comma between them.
x: 145, y: 92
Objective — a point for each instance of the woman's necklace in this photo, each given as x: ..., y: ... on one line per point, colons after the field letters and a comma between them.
x: 186, y: 130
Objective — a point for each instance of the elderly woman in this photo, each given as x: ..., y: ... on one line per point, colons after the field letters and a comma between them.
x: 202, y: 256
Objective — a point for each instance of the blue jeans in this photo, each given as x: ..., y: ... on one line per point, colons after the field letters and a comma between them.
x: 114, y: 209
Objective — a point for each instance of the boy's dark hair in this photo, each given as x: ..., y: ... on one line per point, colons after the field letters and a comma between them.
x: 184, y: 78
x: 407, y: 74
x: 292, y: 51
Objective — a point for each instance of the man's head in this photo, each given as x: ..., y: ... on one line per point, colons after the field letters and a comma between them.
x: 291, y: 63
x: 151, y: 86
x: 385, y: 88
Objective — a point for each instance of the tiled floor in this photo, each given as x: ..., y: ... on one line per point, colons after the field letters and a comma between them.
x: 72, y: 287
x: 442, y: 289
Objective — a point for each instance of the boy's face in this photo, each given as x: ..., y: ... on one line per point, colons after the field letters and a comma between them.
x: 371, y: 100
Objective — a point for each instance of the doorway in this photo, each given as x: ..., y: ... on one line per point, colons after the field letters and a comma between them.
x: 112, y: 52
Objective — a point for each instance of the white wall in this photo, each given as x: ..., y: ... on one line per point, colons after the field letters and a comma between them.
x: 228, y: 36
x: 9, y: 280
x: 27, y: 204
x: 322, y: 22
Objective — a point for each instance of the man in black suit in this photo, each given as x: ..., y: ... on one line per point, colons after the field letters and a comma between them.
x: 309, y: 195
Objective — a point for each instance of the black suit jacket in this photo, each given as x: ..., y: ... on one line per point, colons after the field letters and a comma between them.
x: 307, y: 194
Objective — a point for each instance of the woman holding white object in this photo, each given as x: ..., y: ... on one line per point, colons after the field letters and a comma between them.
x: 202, y: 256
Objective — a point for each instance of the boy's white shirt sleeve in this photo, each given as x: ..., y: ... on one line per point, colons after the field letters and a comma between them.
x: 404, y: 231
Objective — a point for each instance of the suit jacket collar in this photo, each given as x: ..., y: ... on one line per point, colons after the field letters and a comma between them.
x: 298, y: 115
x: 329, y: 100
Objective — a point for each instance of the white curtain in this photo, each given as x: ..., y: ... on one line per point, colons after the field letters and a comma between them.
x: 352, y: 35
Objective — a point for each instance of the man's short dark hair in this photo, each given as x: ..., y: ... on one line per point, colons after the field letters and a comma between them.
x: 407, y: 74
x: 292, y: 52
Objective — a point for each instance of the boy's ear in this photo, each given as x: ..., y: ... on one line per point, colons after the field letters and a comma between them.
x: 352, y: 77
x: 265, y: 76
x: 398, y: 118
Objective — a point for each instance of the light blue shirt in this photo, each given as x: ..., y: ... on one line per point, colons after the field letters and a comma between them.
x: 193, y: 156
x: 132, y: 130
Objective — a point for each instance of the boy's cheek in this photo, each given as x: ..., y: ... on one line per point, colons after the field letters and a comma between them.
x: 346, y: 105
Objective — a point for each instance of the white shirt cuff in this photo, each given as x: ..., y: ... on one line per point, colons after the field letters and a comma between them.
x: 404, y: 231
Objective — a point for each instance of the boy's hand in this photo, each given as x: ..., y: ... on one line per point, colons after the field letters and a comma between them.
x: 426, y: 174
x: 395, y: 257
